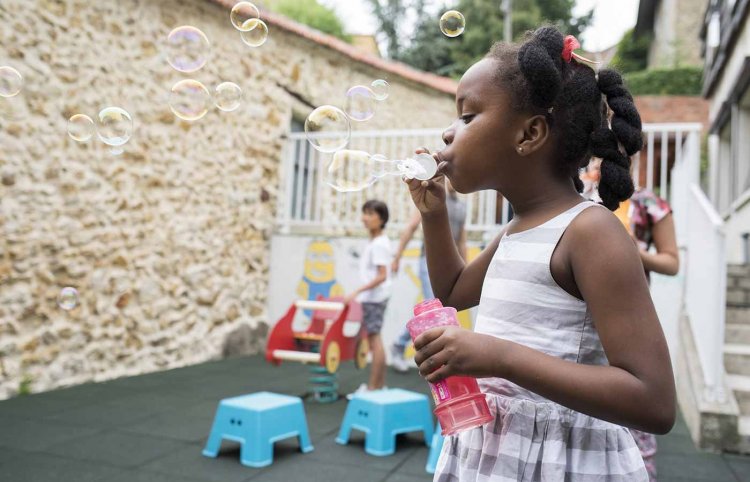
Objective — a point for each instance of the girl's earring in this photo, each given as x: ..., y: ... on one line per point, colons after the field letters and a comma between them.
x: 520, y: 150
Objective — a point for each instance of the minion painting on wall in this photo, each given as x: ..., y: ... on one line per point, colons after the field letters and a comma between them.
x: 319, y: 276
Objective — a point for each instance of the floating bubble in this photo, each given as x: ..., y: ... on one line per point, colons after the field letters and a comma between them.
x: 241, y: 13
x: 227, y: 96
x: 380, y: 89
x: 187, y: 49
x: 11, y: 81
x: 254, y: 32
x: 189, y: 99
x: 452, y: 23
x: 328, y: 128
x: 351, y: 170
x: 68, y: 298
x: 360, y: 103
x: 114, y: 127
x: 81, y: 127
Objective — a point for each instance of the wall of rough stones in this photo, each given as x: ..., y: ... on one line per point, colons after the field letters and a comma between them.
x: 167, y: 243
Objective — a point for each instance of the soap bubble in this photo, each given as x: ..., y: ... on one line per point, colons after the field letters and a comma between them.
x: 227, y: 96
x: 380, y: 89
x: 241, y: 13
x: 452, y: 23
x: 360, y: 103
x: 11, y: 81
x: 189, y: 99
x: 187, y: 49
x: 350, y: 171
x: 328, y: 128
x: 80, y: 127
x: 68, y: 298
x: 254, y: 32
x: 114, y: 127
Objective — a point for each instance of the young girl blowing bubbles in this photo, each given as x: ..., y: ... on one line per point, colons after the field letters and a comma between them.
x: 567, y: 344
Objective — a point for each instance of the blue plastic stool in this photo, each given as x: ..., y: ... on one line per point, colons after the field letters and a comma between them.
x: 382, y: 414
x: 257, y: 421
x: 435, y: 448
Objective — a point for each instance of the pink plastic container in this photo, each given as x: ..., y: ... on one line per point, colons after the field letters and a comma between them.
x: 459, y: 405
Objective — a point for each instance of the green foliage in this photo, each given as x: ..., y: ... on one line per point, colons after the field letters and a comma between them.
x: 432, y: 51
x: 677, y: 81
x: 312, y: 14
x: 24, y: 387
x: 632, y: 53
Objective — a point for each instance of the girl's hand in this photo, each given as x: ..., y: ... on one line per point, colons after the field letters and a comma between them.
x: 428, y: 196
x: 450, y: 350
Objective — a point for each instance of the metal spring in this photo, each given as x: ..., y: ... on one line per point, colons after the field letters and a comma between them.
x: 324, y: 386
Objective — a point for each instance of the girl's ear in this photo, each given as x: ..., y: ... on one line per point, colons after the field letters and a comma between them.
x: 533, y: 136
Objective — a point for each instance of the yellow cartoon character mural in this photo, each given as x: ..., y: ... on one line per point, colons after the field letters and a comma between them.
x: 319, y: 277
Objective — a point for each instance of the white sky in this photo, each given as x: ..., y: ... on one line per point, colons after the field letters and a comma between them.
x: 611, y: 19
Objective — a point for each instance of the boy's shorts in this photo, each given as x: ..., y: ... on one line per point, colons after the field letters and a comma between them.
x: 372, y: 316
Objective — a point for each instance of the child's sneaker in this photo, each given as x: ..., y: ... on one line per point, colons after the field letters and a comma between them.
x: 399, y: 363
x: 362, y: 389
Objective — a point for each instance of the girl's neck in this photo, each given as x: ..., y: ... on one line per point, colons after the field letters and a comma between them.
x: 374, y: 233
x: 546, y: 197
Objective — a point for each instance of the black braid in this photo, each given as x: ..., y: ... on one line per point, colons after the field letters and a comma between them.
x: 540, y: 79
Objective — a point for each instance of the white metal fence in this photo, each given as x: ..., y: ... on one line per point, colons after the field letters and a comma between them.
x: 307, y: 203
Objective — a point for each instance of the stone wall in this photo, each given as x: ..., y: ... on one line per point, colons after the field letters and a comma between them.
x: 167, y: 243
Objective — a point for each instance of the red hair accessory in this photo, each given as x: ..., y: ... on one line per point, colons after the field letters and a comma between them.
x: 570, y: 43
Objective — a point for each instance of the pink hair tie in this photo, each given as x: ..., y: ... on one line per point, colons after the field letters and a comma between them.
x: 570, y: 43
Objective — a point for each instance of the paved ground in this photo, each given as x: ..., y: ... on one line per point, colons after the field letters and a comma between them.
x: 152, y: 429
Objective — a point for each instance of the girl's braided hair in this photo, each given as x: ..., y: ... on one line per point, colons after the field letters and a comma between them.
x: 569, y: 94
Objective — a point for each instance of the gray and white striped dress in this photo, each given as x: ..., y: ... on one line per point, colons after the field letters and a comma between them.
x: 532, y: 438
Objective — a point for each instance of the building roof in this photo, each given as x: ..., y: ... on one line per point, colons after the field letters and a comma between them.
x: 436, y: 82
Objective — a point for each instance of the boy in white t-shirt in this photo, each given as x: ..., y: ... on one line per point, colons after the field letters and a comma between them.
x: 374, y: 272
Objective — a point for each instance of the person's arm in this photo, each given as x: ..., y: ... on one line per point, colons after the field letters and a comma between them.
x: 666, y: 260
x: 462, y: 250
x: 381, y: 276
x: 406, y: 236
x: 636, y: 389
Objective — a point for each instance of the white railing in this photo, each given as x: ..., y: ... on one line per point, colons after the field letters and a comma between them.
x: 307, y: 203
x: 705, y: 289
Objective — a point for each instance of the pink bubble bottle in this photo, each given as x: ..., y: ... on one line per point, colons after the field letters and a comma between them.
x: 459, y: 405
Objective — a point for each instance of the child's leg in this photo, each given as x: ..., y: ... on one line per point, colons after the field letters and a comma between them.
x: 377, y: 368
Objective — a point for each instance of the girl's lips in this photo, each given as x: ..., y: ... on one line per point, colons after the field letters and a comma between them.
x: 442, y: 162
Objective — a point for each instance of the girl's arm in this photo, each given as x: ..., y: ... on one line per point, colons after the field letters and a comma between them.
x: 454, y: 282
x: 666, y: 260
x: 636, y: 389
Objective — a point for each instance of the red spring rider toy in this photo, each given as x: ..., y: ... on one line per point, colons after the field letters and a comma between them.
x: 459, y: 405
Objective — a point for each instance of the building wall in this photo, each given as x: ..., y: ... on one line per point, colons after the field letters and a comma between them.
x: 730, y: 74
x: 168, y: 244
x: 737, y: 225
x: 737, y: 222
x: 677, y: 24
